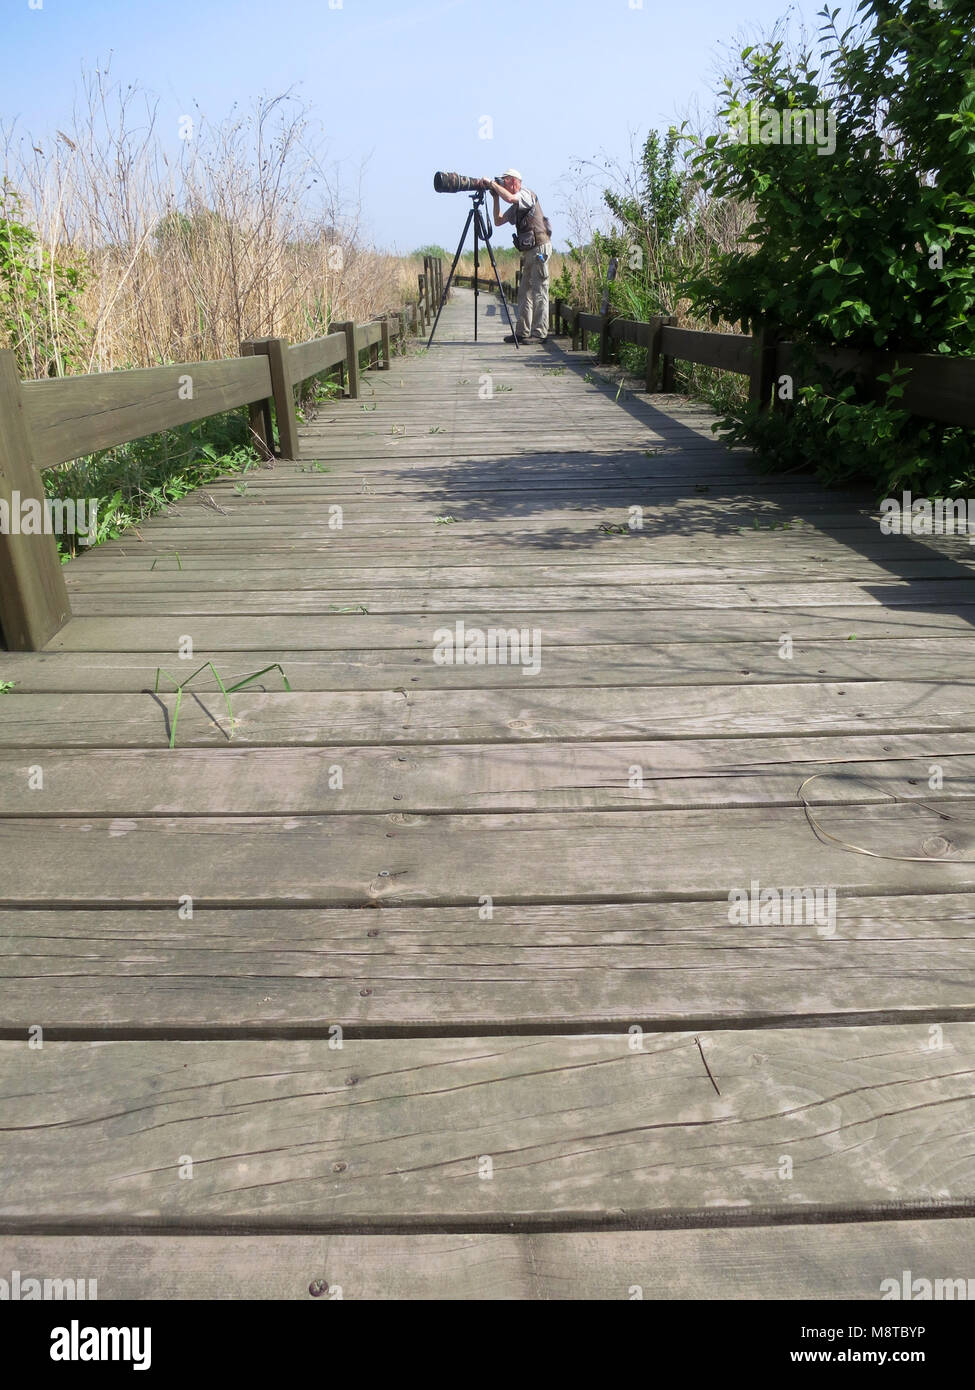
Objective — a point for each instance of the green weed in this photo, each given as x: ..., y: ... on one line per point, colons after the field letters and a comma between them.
x: 225, y: 690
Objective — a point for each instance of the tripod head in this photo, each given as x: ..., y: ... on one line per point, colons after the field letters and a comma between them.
x: 483, y: 225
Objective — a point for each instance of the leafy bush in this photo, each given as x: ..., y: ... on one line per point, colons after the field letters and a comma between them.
x: 867, y: 247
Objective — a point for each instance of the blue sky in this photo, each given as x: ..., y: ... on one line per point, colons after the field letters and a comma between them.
x: 400, y: 84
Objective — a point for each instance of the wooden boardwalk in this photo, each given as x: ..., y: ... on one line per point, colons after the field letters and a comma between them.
x: 419, y: 980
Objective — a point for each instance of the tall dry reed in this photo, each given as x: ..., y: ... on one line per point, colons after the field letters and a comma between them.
x: 187, y: 241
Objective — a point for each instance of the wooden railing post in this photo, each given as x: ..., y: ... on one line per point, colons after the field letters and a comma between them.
x: 653, y: 352
x: 575, y: 330
x: 667, y: 384
x: 276, y: 351
x: 33, y: 597
x: 605, y: 349
x: 259, y: 412
x: 420, y: 305
x: 351, y: 357
x: 385, y: 342
x: 761, y: 380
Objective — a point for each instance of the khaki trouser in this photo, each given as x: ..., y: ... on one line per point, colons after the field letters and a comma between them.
x: 533, y: 293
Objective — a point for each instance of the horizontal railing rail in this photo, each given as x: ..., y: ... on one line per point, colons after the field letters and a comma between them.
x: 72, y: 416
x: 46, y: 423
x: 938, y: 388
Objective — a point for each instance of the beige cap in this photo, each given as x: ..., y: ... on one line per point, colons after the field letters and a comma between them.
x: 512, y: 174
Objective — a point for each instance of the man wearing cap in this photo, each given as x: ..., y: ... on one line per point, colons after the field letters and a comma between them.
x: 533, y: 238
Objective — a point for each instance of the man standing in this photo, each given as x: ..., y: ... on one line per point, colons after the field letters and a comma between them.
x: 533, y: 238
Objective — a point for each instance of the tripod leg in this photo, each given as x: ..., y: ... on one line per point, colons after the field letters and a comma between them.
x: 507, y: 312
x: 477, y: 223
x: 450, y: 277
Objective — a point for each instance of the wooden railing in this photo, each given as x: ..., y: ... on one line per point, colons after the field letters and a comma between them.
x: 46, y: 423
x: 487, y: 284
x: 938, y: 388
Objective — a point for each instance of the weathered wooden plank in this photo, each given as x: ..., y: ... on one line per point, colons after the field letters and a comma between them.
x: 605, y: 664
x: 411, y: 859
x: 293, y: 571
x: 71, y: 416
x: 731, y: 352
x: 308, y: 359
x: 33, y: 597
x: 164, y: 601
x: 940, y: 388
x: 293, y: 1135
x: 598, y: 581
x: 673, y: 774
x: 606, y: 548
x: 421, y: 517
x: 344, y: 629
x: 494, y: 715
x: 404, y: 971
x: 847, y: 1260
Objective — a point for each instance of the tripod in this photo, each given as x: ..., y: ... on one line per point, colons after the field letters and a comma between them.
x: 482, y: 231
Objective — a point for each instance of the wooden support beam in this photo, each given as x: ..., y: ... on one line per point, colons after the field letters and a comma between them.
x: 351, y: 356
x: 385, y: 342
x: 667, y: 384
x: 653, y: 352
x: 605, y: 345
x: 259, y: 412
x: 276, y: 351
x: 33, y: 598
x: 761, y: 380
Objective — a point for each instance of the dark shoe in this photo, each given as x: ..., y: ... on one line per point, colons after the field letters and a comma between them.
x: 510, y: 338
x: 536, y: 338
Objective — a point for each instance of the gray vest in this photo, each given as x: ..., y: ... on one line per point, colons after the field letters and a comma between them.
x: 533, y: 227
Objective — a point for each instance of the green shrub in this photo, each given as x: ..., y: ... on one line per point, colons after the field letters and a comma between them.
x: 867, y: 247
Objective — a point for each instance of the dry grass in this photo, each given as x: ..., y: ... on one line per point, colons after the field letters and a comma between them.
x: 244, y: 233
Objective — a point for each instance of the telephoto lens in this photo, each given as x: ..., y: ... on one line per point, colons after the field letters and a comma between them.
x: 455, y: 183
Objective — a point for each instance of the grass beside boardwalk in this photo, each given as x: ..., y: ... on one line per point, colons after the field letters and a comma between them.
x: 135, y: 481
